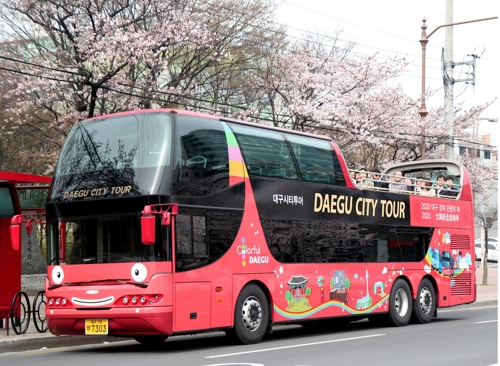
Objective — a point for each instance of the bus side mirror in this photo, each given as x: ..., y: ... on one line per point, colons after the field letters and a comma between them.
x: 148, y: 227
x: 15, y: 231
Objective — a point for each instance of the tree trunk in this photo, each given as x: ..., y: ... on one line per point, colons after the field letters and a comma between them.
x: 485, y: 273
x: 485, y: 259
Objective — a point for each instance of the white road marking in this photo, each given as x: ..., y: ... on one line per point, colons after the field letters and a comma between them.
x: 294, y: 346
x: 486, y: 321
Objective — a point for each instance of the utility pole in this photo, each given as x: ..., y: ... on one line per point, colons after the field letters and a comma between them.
x: 424, y: 39
x: 448, y: 83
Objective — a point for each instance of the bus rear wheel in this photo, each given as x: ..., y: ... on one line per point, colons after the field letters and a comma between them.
x: 251, y: 315
x: 151, y: 340
x: 400, y: 304
x: 425, y: 303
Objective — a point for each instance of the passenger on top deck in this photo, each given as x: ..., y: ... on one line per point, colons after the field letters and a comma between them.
x: 424, y: 188
x: 397, y: 184
x: 378, y: 183
x: 362, y: 180
x: 449, y: 190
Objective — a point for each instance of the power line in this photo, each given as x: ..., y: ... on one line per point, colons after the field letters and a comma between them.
x: 321, y: 36
x: 178, y: 95
x: 38, y: 65
x: 223, y: 104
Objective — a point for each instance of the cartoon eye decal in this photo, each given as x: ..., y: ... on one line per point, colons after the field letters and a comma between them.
x: 139, y: 272
x: 57, y: 275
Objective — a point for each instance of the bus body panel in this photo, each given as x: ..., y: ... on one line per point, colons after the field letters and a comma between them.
x: 193, y: 306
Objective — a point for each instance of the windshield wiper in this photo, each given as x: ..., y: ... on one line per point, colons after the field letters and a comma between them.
x: 138, y: 284
x: 120, y: 280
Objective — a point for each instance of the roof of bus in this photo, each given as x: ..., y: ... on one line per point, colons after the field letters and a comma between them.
x: 211, y: 116
x: 452, y: 166
x: 12, y: 177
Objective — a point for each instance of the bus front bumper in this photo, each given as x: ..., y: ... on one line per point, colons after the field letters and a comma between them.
x: 129, y: 321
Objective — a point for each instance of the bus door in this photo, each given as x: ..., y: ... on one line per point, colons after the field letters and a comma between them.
x: 190, y: 290
x: 192, y: 284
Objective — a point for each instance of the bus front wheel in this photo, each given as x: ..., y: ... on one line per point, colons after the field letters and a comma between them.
x: 251, y: 315
x: 425, y: 303
x: 400, y: 304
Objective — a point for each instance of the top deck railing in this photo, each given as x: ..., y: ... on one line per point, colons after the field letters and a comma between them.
x: 406, y: 185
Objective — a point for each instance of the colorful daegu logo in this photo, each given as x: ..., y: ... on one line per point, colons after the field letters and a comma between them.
x: 243, y: 252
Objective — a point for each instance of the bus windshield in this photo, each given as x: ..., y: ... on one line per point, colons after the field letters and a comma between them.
x: 110, y: 238
x: 127, y: 150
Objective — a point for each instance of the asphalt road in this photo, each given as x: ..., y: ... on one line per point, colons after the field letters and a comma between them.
x: 462, y: 335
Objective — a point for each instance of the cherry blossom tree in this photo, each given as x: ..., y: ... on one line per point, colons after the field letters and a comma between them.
x: 328, y: 89
x: 71, y: 60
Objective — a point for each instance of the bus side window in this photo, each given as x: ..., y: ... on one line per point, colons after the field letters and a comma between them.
x: 317, y: 160
x: 6, y: 204
x: 201, y: 156
x: 265, y: 152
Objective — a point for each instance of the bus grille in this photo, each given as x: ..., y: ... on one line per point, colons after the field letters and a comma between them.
x: 462, y: 286
x: 460, y: 242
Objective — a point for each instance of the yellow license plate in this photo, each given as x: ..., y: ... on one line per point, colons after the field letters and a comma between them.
x: 96, y: 326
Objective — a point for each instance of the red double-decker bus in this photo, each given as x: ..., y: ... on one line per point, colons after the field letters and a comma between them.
x: 166, y: 222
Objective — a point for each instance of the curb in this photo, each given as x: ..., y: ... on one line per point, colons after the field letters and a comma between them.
x: 484, y: 303
x: 45, y: 341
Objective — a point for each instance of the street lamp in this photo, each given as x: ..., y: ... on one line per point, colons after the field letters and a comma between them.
x: 424, y: 39
x: 475, y: 132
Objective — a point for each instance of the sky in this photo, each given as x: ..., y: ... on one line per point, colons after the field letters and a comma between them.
x: 393, y: 27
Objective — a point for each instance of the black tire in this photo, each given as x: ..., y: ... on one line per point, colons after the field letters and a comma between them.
x: 20, y: 313
x: 425, y: 303
x: 39, y: 318
x: 251, y: 315
x: 151, y: 340
x: 400, y: 304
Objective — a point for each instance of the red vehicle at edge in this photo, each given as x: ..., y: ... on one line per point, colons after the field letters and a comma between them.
x: 22, y: 196
x: 165, y: 222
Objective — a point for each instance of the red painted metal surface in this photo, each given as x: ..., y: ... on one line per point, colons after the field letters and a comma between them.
x: 10, y: 253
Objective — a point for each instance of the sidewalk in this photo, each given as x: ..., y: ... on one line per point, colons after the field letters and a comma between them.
x: 487, y: 292
x: 33, y: 340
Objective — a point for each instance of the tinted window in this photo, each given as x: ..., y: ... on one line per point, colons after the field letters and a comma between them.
x: 108, y: 238
x: 6, y: 205
x: 266, y: 153
x: 115, y: 156
x: 203, y: 236
x: 130, y: 141
x: 295, y: 241
x: 317, y: 160
x: 29, y: 198
x: 201, y: 157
